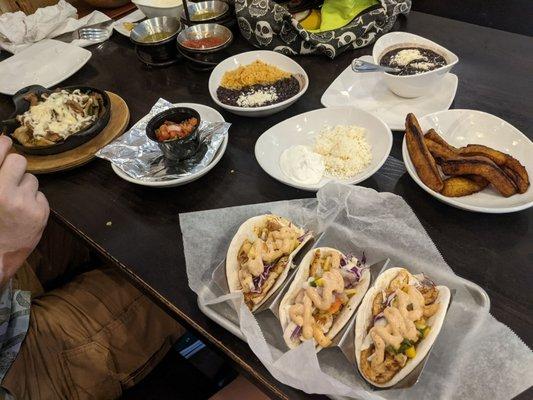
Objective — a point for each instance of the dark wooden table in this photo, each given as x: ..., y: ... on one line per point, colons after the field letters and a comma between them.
x: 144, y: 239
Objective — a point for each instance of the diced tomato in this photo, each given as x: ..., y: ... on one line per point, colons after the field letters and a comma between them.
x: 336, y: 306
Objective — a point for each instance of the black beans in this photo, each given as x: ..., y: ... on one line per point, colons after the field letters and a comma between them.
x: 283, y: 89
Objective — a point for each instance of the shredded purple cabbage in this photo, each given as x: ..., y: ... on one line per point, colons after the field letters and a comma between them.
x: 259, y: 280
x: 390, y: 299
x: 379, y: 316
x: 302, y: 238
x: 296, y: 333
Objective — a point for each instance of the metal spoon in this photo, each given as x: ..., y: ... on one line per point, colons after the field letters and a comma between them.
x: 365, y: 66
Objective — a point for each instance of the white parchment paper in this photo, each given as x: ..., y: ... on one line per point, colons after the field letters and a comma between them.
x: 474, y: 357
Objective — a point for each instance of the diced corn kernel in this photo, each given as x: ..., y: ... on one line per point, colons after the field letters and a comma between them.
x: 411, y: 352
x: 350, y: 292
x: 426, y: 331
x: 420, y: 325
x: 320, y: 282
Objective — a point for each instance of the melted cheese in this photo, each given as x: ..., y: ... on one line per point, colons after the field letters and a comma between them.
x: 54, y: 115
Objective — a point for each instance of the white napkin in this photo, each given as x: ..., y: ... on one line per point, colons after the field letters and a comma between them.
x: 18, y: 31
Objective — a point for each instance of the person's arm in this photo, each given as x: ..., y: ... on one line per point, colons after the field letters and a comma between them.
x: 23, y: 211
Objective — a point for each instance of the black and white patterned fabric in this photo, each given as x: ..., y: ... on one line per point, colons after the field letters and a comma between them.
x: 267, y: 25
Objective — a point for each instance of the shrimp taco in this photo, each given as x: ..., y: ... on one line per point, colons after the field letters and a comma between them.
x: 397, y: 323
x: 260, y: 255
x: 323, y: 296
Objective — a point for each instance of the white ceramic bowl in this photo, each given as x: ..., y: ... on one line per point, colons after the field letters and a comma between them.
x: 462, y: 127
x: 303, y: 129
x: 159, y: 8
x: 269, y: 57
x: 412, y: 85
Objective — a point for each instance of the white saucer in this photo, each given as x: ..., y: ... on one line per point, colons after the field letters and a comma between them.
x: 462, y: 127
x: 135, y: 16
x: 370, y: 93
x: 206, y: 114
x: 303, y: 128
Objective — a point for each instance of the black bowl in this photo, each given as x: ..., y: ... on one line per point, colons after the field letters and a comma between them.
x: 175, y: 149
x: 22, y: 105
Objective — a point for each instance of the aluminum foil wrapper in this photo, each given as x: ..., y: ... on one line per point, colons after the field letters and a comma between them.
x: 139, y: 157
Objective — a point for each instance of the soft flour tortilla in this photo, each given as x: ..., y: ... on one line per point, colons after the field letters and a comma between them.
x: 302, y: 276
x: 364, y: 320
x: 246, y: 231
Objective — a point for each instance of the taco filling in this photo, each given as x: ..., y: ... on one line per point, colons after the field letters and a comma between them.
x: 400, y: 316
x: 332, y: 282
x: 263, y: 260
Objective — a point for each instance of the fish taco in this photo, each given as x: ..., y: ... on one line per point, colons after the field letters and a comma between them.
x: 323, y: 296
x: 397, y: 323
x: 260, y: 255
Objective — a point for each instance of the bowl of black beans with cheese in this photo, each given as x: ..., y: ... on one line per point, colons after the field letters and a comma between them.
x: 419, y: 63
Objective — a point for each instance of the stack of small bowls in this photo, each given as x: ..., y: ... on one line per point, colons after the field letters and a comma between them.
x: 212, y: 11
x: 207, y: 34
x: 160, y: 52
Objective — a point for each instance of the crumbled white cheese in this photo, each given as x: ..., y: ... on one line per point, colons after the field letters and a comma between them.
x: 423, y: 66
x: 345, y: 150
x: 406, y: 56
x: 257, y: 98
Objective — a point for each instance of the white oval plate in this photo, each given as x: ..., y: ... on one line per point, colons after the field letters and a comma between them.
x: 303, y: 129
x: 462, y: 127
x: 135, y: 16
x: 369, y: 92
x: 44, y: 63
x: 206, y: 114
x: 270, y: 57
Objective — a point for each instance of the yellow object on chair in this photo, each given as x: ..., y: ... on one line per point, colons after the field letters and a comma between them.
x: 338, y: 13
x: 312, y: 21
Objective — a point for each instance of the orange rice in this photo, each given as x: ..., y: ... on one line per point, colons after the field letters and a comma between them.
x: 256, y: 73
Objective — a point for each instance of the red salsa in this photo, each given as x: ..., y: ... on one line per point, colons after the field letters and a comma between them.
x: 174, y: 130
x: 203, y: 43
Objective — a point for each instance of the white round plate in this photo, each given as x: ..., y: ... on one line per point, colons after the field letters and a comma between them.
x: 135, y: 16
x: 369, y: 92
x: 303, y: 129
x: 462, y: 127
x: 270, y: 57
x: 206, y: 114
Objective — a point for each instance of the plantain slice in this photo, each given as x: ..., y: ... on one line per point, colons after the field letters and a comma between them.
x: 517, y: 172
x: 458, y: 186
x: 479, y: 150
x: 422, y: 159
x: 483, y: 166
x: 479, y: 180
x: 434, y: 136
x: 438, y: 151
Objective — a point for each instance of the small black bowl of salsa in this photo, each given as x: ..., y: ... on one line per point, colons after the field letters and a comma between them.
x: 176, y: 132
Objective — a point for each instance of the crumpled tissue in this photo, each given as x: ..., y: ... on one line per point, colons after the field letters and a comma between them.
x: 19, y: 31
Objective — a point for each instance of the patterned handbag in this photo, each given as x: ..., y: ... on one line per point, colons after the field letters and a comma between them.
x: 267, y: 25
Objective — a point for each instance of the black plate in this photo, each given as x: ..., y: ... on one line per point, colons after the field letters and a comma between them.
x: 21, y: 106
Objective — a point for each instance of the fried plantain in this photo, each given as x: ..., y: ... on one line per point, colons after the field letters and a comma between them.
x: 517, y: 172
x: 479, y: 150
x: 458, y: 186
x: 434, y: 136
x: 439, y: 151
x: 483, y: 166
x: 424, y: 163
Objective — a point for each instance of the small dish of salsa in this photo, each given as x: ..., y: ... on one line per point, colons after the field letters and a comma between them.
x: 176, y: 132
x: 170, y: 130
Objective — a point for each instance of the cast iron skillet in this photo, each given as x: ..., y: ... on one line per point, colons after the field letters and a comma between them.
x: 21, y: 105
